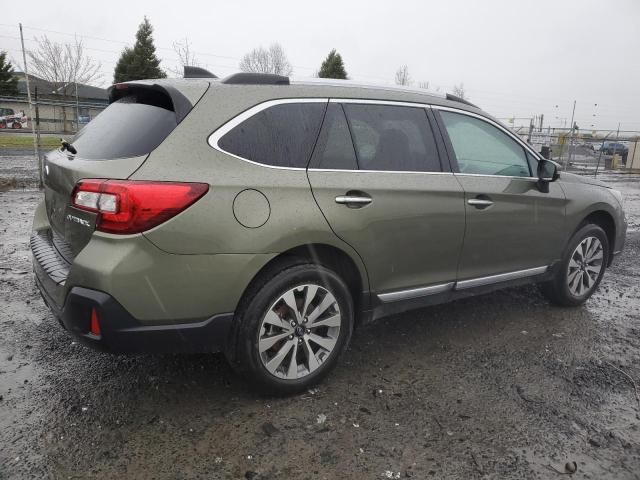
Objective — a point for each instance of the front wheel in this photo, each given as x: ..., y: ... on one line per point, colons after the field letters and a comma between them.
x: 291, y: 330
x: 581, y: 269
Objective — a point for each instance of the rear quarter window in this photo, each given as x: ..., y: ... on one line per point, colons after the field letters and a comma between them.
x: 280, y: 135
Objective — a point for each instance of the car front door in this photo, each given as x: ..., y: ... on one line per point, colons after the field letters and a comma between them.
x: 377, y: 177
x: 513, y: 228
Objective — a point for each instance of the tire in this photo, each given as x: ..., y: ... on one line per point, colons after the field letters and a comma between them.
x: 576, y: 279
x: 266, y: 321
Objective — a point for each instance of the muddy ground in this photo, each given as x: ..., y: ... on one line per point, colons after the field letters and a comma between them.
x: 497, y: 386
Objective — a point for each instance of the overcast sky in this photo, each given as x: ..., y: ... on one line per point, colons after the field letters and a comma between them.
x: 515, y: 58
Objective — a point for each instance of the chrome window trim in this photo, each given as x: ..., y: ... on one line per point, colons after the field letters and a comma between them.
x: 415, y: 292
x: 336, y: 170
x: 495, y: 124
x: 418, y: 292
x: 457, y: 174
x: 215, y: 137
x: 502, y: 277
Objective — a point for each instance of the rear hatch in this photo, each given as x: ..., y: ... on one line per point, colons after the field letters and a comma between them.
x: 112, y: 146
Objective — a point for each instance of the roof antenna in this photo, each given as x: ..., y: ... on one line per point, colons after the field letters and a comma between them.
x: 197, y: 72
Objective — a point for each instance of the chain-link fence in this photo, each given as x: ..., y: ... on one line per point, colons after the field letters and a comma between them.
x: 67, y: 115
x: 588, y: 152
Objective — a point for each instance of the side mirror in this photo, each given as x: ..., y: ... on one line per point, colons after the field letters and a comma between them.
x: 547, y: 171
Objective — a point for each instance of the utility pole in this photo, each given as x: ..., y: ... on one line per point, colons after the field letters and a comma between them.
x: 33, y: 127
x: 37, y: 120
x: 541, y: 120
x: 77, y: 108
x: 571, y: 138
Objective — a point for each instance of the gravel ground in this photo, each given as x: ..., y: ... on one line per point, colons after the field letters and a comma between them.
x: 496, y: 386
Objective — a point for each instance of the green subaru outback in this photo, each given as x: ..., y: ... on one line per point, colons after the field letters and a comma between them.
x: 267, y: 218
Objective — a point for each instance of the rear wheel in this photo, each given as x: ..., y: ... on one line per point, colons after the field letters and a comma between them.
x: 581, y: 269
x: 292, y: 328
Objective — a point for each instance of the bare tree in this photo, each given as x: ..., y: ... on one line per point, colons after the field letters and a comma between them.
x: 403, y: 77
x: 63, y: 62
x: 261, y: 60
x: 186, y: 57
x: 64, y: 66
x: 424, y: 85
x: 459, y: 91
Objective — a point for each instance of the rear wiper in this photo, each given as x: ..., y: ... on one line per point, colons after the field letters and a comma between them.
x: 68, y: 146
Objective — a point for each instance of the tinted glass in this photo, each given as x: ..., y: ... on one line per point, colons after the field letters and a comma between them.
x: 282, y: 135
x: 130, y: 127
x: 334, y: 149
x: 482, y: 148
x: 392, y: 138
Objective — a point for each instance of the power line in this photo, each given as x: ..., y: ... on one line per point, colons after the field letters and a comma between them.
x: 499, y: 101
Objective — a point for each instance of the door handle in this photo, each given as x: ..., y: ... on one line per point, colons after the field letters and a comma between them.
x: 479, y: 202
x: 353, y: 200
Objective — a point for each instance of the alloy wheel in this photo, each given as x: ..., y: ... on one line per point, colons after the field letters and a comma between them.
x: 299, y: 331
x: 585, y: 265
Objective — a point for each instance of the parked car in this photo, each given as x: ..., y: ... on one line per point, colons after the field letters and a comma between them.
x: 609, y: 148
x: 10, y: 119
x: 268, y: 218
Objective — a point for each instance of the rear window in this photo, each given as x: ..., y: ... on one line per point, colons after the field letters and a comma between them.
x: 282, y: 135
x: 130, y: 127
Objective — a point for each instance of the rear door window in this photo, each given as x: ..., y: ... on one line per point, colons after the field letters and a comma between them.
x: 281, y: 135
x: 334, y: 149
x: 132, y: 126
x: 392, y: 138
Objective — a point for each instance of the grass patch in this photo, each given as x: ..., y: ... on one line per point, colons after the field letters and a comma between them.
x: 26, y: 141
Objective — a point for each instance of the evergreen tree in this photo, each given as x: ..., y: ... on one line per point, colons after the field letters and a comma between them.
x: 139, y: 62
x: 333, y: 67
x: 8, y: 82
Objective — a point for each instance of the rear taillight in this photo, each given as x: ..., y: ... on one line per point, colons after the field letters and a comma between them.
x: 94, y: 325
x: 128, y: 206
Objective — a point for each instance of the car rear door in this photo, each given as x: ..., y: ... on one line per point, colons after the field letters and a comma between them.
x: 377, y: 177
x: 513, y: 228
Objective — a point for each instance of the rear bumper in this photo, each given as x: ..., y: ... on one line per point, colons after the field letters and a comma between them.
x: 120, y: 332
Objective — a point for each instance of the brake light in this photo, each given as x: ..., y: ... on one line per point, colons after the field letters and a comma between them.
x: 128, y: 206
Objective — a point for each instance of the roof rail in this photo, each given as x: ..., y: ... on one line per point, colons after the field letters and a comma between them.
x: 455, y: 98
x: 331, y: 82
x: 197, y: 72
x: 246, y: 78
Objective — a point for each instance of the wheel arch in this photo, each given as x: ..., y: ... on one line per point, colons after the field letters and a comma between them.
x: 330, y: 256
x: 604, y: 220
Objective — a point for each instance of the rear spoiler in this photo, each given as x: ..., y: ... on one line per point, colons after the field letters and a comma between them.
x: 180, y: 104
